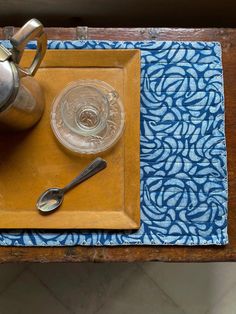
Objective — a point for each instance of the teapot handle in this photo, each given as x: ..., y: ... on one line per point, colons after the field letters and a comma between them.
x: 32, y: 30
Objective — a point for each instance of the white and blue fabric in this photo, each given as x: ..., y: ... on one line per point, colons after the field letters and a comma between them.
x: 183, y: 152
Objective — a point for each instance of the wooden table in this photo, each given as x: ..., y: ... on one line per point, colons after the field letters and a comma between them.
x: 227, y: 37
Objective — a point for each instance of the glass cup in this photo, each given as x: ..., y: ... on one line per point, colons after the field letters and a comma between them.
x: 85, y: 109
x: 88, y: 116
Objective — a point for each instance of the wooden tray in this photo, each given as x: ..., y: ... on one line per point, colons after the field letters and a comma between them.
x: 33, y: 161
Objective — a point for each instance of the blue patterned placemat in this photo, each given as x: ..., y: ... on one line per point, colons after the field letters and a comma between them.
x: 183, y: 152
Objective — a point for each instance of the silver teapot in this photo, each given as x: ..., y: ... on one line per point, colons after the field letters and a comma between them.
x: 21, y: 97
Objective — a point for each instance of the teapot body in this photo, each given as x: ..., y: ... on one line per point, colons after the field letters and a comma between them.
x: 27, y: 108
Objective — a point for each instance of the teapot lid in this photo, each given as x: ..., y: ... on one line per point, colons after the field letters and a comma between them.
x: 9, y: 79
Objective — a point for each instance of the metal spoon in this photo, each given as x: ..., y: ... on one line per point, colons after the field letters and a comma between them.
x: 52, y: 198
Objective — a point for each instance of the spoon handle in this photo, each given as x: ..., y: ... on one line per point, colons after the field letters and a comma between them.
x: 97, y: 165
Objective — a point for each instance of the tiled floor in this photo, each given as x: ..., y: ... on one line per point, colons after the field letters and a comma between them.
x: 118, y: 288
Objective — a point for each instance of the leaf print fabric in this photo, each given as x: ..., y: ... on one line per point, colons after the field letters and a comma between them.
x: 183, y: 152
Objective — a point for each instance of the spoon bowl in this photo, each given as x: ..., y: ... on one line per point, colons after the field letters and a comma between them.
x: 50, y: 200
